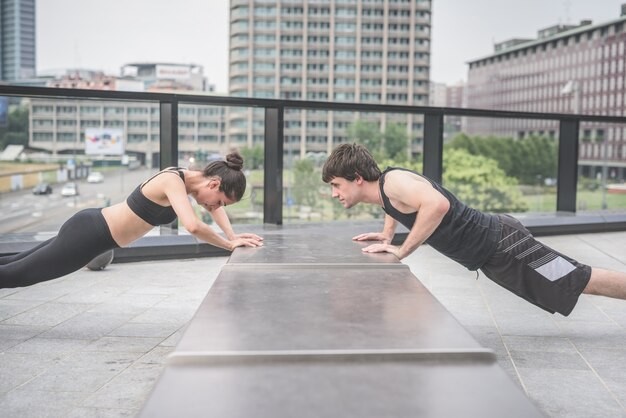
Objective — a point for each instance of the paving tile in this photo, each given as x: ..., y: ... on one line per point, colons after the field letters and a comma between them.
x: 617, y: 386
x: 165, y: 316
x: 20, y: 332
x: 547, y: 344
x: 10, y: 308
x: 548, y: 360
x: 611, y: 244
x: 124, y: 344
x: 38, y: 404
x: 569, y: 393
x: 47, y: 314
x: 7, y: 292
x: 173, y: 339
x: 91, y: 295
x: 82, y: 372
x: 594, y: 334
x: 609, y: 363
x: 142, y: 300
x: 101, y: 413
x: 50, y: 290
x: 6, y: 344
x: 145, y: 330
x: 48, y: 346
x: 19, y: 368
x: 87, y: 326
x: 157, y: 356
x: 114, y: 308
x: 527, y: 325
x: 128, y: 390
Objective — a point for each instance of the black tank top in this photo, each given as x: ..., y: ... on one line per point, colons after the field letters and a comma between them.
x: 465, y: 235
x: 149, y: 211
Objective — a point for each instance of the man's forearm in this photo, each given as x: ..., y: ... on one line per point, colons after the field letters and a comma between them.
x: 427, y: 220
x: 389, y: 228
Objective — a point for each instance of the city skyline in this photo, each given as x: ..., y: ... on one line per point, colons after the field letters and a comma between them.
x: 197, y: 32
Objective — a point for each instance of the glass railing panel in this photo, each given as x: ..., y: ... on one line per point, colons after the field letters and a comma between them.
x: 56, y: 146
x: 309, y: 137
x: 502, y: 165
x: 208, y: 133
x: 601, y: 168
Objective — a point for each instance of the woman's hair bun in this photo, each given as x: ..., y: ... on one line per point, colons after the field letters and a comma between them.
x: 234, y: 161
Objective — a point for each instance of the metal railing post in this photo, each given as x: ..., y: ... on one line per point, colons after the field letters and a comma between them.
x: 273, y: 167
x: 433, y: 146
x: 168, y: 142
x: 568, y: 166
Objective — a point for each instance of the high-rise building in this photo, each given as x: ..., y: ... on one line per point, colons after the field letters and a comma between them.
x: 17, y: 39
x: 567, y: 69
x: 361, y: 51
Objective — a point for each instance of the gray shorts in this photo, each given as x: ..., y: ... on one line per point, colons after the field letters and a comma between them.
x: 534, y: 271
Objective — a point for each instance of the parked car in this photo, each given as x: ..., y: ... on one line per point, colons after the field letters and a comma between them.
x: 69, y: 189
x: 42, y: 188
x: 95, y: 177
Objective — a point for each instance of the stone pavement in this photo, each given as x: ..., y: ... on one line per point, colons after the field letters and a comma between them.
x: 92, y: 344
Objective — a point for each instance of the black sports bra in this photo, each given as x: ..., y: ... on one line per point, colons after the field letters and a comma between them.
x: 149, y: 211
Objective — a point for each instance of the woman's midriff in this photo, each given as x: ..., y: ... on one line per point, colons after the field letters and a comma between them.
x: 124, y: 224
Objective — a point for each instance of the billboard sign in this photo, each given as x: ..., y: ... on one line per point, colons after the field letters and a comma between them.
x: 4, y: 112
x: 172, y: 72
x: 104, y: 141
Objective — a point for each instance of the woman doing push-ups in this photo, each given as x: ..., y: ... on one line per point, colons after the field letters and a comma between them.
x: 157, y: 201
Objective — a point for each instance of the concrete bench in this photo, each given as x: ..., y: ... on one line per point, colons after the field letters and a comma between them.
x: 309, y: 325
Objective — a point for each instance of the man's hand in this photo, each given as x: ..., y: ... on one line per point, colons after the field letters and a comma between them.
x: 382, y: 248
x: 373, y: 236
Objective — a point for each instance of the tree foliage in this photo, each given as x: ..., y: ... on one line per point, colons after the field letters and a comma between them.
x: 527, y: 159
x: 252, y: 157
x: 392, y: 143
x: 307, y: 182
x: 479, y: 182
x: 395, y: 141
x: 16, y: 131
x: 367, y: 134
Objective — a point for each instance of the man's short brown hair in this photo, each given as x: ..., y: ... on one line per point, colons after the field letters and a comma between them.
x: 348, y: 161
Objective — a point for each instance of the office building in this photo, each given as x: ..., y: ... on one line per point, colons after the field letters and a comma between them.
x: 17, y: 39
x: 567, y: 69
x: 361, y: 51
x: 58, y: 126
x: 168, y: 76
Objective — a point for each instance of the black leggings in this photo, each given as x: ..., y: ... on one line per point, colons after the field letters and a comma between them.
x: 81, y: 238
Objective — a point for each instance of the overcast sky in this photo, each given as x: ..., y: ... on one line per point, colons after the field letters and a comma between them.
x: 104, y: 35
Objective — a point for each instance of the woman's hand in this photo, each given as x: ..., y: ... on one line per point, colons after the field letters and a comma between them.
x: 373, y: 236
x: 251, y: 241
x: 247, y: 235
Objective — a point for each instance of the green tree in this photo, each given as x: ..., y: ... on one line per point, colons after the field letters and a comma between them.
x: 252, y: 157
x: 524, y: 159
x: 16, y: 131
x: 307, y: 182
x: 367, y: 134
x: 395, y: 141
x: 479, y: 182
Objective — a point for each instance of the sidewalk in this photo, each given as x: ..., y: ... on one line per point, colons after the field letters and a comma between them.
x: 92, y: 344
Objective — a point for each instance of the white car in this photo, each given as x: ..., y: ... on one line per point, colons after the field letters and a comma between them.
x: 95, y: 177
x: 69, y: 189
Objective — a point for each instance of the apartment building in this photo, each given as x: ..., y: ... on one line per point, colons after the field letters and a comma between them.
x: 58, y: 126
x: 566, y: 69
x: 360, y: 51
